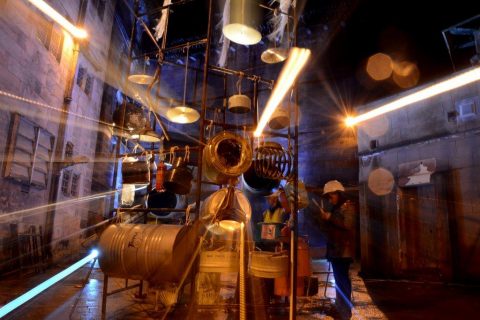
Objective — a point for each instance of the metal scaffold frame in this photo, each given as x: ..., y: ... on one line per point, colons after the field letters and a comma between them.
x: 292, y: 137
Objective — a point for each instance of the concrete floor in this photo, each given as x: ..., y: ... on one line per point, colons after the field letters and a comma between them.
x: 373, y: 299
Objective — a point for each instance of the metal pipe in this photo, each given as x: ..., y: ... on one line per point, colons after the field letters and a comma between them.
x: 124, y: 104
x: 153, y: 210
x: 137, y: 154
x: 145, y: 27
x: 204, y: 104
x: 293, y: 292
x: 104, y: 296
x: 156, y: 79
x: 261, y: 5
x: 228, y: 125
x: 133, y: 286
x: 225, y: 101
x: 172, y: 48
x: 227, y: 71
x: 255, y: 103
x: 242, y: 74
x: 159, y: 9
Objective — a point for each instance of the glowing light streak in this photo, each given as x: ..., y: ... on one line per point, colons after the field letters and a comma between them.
x: 52, y: 13
x: 428, y: 92
x: 297, y: 59
x: 44, y: 105
x: 63, y: 203
x: 12, y: 305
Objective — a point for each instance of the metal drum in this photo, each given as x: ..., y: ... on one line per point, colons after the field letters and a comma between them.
x: 265, y: 264
x: 239, y: 103
x: 156, y: 253
x: 219, y: 261
x: 279, y: 120
x: 227, y: 155
x: 135, y: 171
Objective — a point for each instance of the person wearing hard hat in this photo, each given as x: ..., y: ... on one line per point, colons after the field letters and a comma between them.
x: 275, y: 213
x: 339, y: 215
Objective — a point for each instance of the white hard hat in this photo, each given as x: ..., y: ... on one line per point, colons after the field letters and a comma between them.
x: 332, y: 186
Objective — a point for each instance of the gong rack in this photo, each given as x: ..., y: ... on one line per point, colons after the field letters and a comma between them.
x: 291, y: 136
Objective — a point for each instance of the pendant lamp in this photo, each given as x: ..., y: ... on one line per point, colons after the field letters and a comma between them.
x: 242, y: 26
x: 183, y: 114
x: 139, y: 75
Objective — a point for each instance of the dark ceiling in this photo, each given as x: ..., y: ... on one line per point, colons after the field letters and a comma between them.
x: 343, y: 34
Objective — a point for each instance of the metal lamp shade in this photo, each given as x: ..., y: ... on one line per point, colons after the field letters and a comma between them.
x: 147, y: 135
x: 139, y: 73
x: 140, y: 78
x: 274, y: 55
x: 183, y: 114
x: 243, y: 22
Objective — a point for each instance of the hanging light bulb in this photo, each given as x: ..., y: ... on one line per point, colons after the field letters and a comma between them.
x: 183, y: 114
x: 243, y: 20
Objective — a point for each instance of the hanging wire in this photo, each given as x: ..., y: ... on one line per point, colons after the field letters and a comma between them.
x: 186, y: 76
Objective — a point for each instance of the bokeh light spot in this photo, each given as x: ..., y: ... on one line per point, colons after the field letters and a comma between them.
x: 379, y: 66
x: 376, y: 127
x: 405, y: 74
x: 381, y: 181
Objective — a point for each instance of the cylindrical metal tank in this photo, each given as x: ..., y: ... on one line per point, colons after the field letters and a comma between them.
x: 156, y: 253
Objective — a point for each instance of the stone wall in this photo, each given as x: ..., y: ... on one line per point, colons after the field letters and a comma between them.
x: 34, y: 69
x: 430, y: 230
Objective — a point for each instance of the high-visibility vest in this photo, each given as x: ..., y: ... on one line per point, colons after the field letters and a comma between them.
x: 275, y: 217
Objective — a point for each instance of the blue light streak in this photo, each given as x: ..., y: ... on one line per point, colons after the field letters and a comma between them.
x: 12, y: 305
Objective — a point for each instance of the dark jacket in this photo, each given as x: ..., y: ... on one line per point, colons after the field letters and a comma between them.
x: 340, y: 230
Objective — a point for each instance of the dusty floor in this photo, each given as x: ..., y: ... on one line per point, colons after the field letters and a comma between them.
x: 373, y: 299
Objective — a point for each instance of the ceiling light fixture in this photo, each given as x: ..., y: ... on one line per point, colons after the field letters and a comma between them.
x: 428, y: 92
x: 52, y: 13
x: 297, y: 59
x: 243, y: 18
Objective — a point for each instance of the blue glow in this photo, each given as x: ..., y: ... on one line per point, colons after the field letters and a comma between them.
x: 12, y: 305
x: 95, y: 253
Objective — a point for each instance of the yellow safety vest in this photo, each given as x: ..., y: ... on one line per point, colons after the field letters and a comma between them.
x: 276, y: 217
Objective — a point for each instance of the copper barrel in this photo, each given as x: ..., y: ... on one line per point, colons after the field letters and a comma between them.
x: 156, y: 253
